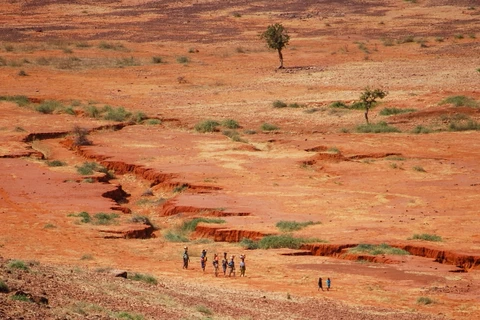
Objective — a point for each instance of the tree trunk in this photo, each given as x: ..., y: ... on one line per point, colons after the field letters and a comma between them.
x: 366, y: 115
x: 280, y: 56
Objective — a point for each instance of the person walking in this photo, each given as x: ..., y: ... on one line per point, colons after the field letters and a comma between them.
x: 242, y: 265
x: 231, y: 266
x: 186, y: 258
x: 224, y: 264
x: 203, y: 259
x: 215, y: 264
x: 320, y: 286
x: 329, y: 282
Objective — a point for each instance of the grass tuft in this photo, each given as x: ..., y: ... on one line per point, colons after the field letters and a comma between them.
x: 17, y: 264
x: 460, y: 101
x: 268, y: 127
x: 424, y: 300
x: 394, y: 111
x: 426, y: 237
x: 143, y: 277
x: 207, y: 126
x: 287, y: 226
x: 380, y: 127
x: 377, y: 249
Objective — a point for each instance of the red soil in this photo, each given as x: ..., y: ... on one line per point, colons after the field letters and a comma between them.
x: 378, y: 188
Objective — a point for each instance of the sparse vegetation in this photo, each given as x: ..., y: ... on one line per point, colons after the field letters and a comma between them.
x: 128, y: 316
x: 175, y: 236
x: 183, y: 59
x: 288, y: 226
x: 460, y: 101
x: 17, y: 264
x: 21, y: 297
x: 277, y: 241
x: 180, y: 188
x: 49, y: 226
x: 55, y: 163
x: 466, y: 125
x: 377, y: 249
x: 380, y: 127
x: 421, y: 129
x: 49, y: 106
x: 22, y: 73
x: 424, y: 300
x: 207, y: 126
x: 116, y: 114
x: 111, y: 46
x: 277, y: 38
x: 143, y: 277
x: 157, y: 60
x: 394, y: 111
x: 88, y: 168
x: 419, y: 169
x: 234, y: 135
x: 102, y: 218
x: 21, y: 101
x: 87, y: 257
x: 204, y: 310
x: 279, y: 104
x: 153, y: 122
x: 268, y: 127
x: 426, y: 237
x: 333, y: 150
x: 230, y: 124
x: 191, y: 225
x: 3, y: 287
x: 80, y: 136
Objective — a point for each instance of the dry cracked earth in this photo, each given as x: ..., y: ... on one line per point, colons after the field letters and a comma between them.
x: 103, y: 160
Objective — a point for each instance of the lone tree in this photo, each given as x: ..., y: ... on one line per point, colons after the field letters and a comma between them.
x: 277, y: 38
x: 369, y: 98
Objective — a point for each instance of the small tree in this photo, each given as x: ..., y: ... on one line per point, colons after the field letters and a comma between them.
x: 369, y: 98
x: 277, y: 38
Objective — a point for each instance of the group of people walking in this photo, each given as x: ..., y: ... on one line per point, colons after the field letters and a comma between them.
x: 320, y: 284
x: 226, y: 263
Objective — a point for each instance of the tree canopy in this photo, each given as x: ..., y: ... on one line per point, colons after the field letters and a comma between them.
x: 277, y: 38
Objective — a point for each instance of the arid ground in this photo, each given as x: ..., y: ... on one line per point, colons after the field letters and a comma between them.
x: 104, y: 158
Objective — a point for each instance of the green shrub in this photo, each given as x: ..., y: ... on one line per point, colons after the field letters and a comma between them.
x: 180, y: 188
x: 279, y: 104
x: 17, y: 264
x: 419, y: 169
x: 237, y: 14
x: 175, y: 236
x: 460, y: 101
x: 3, y: 287
x: 157, y: 59
x: 183, y: 59
x: 55, y: 163
x: 249, y: 131
x: 268, y: 127
x: 207, y: 126
x: 92, y: 111
x: 87, y: 168
x: 234, y: 135
x: 138, y: 117
x: 380, y: 127
x: 153, y: 122
x: 286, y: 226
x: 102, y: 218
x: 295, y: 105
x: 464, y: 125
x: 191, y: 225
x: 143, y: 277
x: 333, y: 150
x: 127, y: 62
x: 230, y: 124
x: 249, y: 244
x: 111, y: 46
x: 49, y: 226
x: 116, y: 114
x: 21, y: 297
x: 21, y: 101
x: 426, y: 237
x: 49, y: 106
x: 339, y: 104
x: 377, y: 249
x: 424, y: 300
x: 204, y: 310
x: 394, y: 111
x: 128, y: 316
x: 421, y: 129
x: 284, y: 241
x: 86, y: 218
